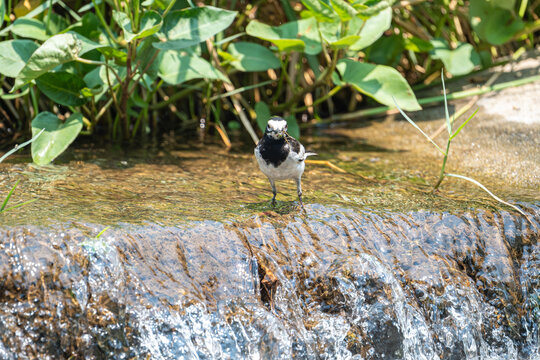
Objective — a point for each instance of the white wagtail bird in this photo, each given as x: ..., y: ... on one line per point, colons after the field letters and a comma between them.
x: 280, y: 156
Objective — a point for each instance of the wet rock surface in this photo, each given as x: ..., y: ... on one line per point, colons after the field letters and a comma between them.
x: 339, y: 284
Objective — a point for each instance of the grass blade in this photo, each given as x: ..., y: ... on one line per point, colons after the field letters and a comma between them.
x: 448, y: 123
x: 16, y: 206
x: 8, y: 196
x: 102, y: 231
x: 18, y: 147
x: 489, y: 192
x: 417, y: 127
x: 462, y: 125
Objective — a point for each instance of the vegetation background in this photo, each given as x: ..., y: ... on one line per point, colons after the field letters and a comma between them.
x: 129, y: 71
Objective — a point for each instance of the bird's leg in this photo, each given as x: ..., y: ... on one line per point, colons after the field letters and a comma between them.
x: 274, y: 192
x: 299, y: 190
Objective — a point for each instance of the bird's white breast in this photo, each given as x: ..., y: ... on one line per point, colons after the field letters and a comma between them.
x: 291, y: 168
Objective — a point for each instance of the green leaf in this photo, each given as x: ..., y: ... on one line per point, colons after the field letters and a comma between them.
x: 374, y: 7
x: 463, y: 125
x: 331, y: 33
x: 300, y: 35
x: 56, y: 137
x: 377, y: 81
x: 418, y: 128
x: 119, y: 56
x: 55, y: 24
x: 252, y: 57
x: 14, y: 54
x: 19, y: 147
x: 89, y: 27
x: 446, y: 115
x: 460, y: 61
x: 386, y: 51
x: 492, y: 23
x: 184, y: 28
x: 57, y: 50
x: 370, y: 30
x: 418, y: 45
x: 146, y: 53
x: 321, y: 10
x: 62, y: 87
x: 345, y: 42
x: 178, y: 67
x: 344, y: 10
x: 30, y: 28
x: 2, y: 12
x: 292, y: 127
x: 263, y: 115
x: 4, y: 204
x: 97, y: 79
x: 505, y: 4
x: 150, y: 24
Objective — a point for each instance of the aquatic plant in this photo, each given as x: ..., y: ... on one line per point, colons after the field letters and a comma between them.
x: 451, y: 135
x: 127, y: 69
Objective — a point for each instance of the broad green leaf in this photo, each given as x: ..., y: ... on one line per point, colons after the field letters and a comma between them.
x: 345, y: 42
x: 119, y: 56
x: 290, y: 36
x: 146, y: 53
x: 370, y: 30
x: 459, y: 61
x: 150, y: 24
x: 330, y: 31
x: 62, y: 87
x: 30, y: 28
x: 386, y: 51
x: 377, y: 81
x: 505, y: 4
x: 184, y: 28
x: 96, y: 79
x: 263, y: 114
x: 178, y: 67
x: 344, y: 10
x: 57, y: 50
x: 418, y: 45
x: 321, y: 10
x: 331, y: 34
x: 252, y: 57
x: 375, y: 6
x: 292, y: 127
x: 55, y: 24
x: 493, y: 24
x: 56, y: 137
x: 89, y: 27
x: 14, y: 54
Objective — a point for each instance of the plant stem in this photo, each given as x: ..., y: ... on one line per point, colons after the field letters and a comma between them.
x: 169, y: 7
x: 103, y: 22
x: 490, y: 194
x: 441, y: 176
x: 319, y: 100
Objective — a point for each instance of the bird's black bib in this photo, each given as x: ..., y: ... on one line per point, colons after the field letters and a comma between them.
x: 275, y: 151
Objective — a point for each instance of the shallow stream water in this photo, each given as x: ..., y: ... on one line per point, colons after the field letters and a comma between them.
x: 197, y: 265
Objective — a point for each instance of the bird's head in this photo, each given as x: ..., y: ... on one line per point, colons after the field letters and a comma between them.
x: 276, y: 127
